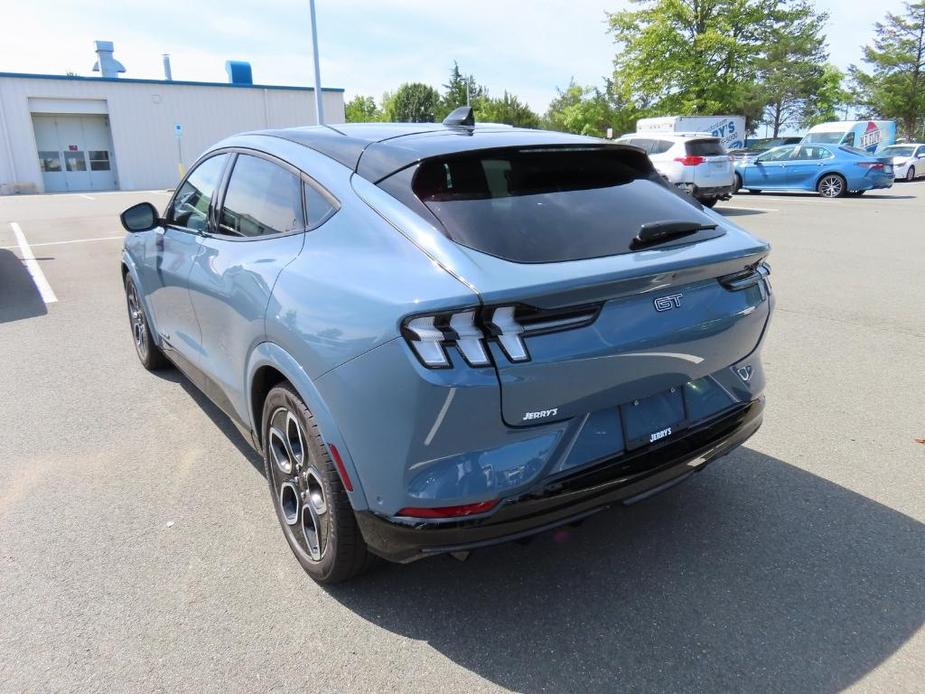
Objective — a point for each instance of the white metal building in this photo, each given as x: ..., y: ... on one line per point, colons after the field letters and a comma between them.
x: 93, y: 133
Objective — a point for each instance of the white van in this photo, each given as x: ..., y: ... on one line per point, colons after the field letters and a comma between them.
x: 729, y: 129
x: 869, y: 135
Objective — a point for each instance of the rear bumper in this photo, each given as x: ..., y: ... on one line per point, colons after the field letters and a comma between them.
x: 554, y: 502
x: 714, y: 192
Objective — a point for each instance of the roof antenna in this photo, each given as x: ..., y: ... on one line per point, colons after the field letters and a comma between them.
x: 462, y: 116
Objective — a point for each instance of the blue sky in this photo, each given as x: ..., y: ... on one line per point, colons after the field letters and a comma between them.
x: 367, y: 46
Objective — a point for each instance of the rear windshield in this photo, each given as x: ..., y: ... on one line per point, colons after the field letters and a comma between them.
x: 705, y: 148
x: 539, y: 205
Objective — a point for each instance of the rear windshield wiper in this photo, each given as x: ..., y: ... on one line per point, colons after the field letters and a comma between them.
x: 654, y: 233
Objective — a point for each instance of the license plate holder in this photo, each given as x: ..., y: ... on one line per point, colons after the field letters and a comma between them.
x: 653, y: 419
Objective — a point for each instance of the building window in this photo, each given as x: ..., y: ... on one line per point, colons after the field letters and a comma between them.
x: 74, y: 161
x: 99, y: 160
x: 50, y: 162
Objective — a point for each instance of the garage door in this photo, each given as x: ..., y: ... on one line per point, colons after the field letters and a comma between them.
x: 75, y: 152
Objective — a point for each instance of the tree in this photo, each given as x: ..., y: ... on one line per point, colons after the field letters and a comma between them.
x: 828, y: 100
x: 362, y: 109
x: 460, y: 90
x: 895, y: 87
x: 412, y: 103
x: 508, y: 109
x: 589, y: 111
x: 792, y: 66
x: 689, y: 57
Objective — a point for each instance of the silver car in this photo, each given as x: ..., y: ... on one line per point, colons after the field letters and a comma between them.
x: 908, y: 160
x: 694, y: 162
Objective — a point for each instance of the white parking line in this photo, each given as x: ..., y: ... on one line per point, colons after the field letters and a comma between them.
x: 28, y: 258
x: 62, y: 243
x: 88, y: 197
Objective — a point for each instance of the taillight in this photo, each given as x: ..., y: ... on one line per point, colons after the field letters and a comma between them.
x: 469, y: 330
x: 871, y: 165
x: 427, y: 341
x: 505, y: 327
x: 449, y: 511
x: 691, y: 160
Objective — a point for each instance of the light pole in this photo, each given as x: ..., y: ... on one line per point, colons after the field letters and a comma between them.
x: 319, y: 106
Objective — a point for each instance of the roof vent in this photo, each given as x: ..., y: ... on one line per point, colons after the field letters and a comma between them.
x: 239, y: 72
x: 462, y: 116
x: 105, y: 64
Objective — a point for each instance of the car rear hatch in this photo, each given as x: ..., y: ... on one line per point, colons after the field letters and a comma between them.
x: 711, y: 163
x: 600, y: 284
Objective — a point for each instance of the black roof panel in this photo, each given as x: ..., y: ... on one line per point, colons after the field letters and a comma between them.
x: 377, y: 150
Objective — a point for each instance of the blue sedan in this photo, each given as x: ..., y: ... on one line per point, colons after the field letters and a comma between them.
x: 831, y: 170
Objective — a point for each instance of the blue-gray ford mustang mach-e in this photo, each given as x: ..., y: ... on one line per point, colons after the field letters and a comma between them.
x: 444, y: 336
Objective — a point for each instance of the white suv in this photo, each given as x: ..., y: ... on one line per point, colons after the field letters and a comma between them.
x: 695, y: 162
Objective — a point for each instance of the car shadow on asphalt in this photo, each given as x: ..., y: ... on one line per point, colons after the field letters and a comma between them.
x: 754, y: 576
x: 19, y: 297
x: 213, y: 412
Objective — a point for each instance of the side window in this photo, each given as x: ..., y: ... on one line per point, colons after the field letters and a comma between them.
x: 920, y: 152
x: 262, y: 199
x: 662, y: 146
x: 822, y: 153
x: 810, y: 153
x: 190, y: 206
x: 780, y: 154
x: 849, y: 140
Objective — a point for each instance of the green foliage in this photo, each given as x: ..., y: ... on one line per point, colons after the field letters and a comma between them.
x: 459, y: 91
x: 589, y: 111
x: 693, y: 57
x: 508, y: 109
x: 829, y: 99
x: 362, y: 109
x: 792, y: 66
x: 413, y: 102
x: 895, y: 86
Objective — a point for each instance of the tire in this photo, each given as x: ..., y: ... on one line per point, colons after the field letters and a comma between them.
x: 755, y: 191
x: 737, y: 183
x: 910, y: 174
x: 308, y: 496
x: 832, y: 186
x: 709, y: 202
x: 149, y: 354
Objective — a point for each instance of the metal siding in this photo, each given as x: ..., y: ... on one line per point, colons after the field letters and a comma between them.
x: 142, y: 120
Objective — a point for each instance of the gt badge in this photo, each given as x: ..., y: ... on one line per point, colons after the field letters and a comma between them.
x: 666, y: 303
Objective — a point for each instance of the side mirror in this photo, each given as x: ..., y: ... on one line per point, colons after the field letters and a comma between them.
x: 140, y: 217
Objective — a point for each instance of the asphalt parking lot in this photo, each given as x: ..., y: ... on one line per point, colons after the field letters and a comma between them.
x: 139, y: 549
